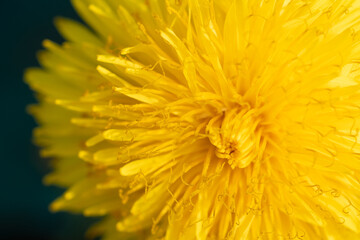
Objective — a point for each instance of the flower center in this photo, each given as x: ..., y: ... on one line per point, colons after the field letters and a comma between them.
x: 237, y: 137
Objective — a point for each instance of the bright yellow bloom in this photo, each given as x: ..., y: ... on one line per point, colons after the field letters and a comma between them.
x: 206, y: 119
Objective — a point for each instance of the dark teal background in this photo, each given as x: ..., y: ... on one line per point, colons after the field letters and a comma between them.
x: 23, y: 199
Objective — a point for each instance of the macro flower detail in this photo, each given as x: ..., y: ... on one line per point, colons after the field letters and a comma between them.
x: 205, y: 119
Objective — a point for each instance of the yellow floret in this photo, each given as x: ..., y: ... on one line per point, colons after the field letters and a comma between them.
x: 205, y: 119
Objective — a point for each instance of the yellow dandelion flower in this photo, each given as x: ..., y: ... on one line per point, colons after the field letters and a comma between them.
x: 205, y: 119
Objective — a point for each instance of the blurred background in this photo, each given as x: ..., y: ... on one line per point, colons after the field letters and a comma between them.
x: 24, y: 200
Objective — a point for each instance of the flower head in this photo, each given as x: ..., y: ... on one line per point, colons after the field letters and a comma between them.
x: 205, y: 119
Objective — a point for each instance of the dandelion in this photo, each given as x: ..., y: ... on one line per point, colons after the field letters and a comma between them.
x: 205, y: 119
